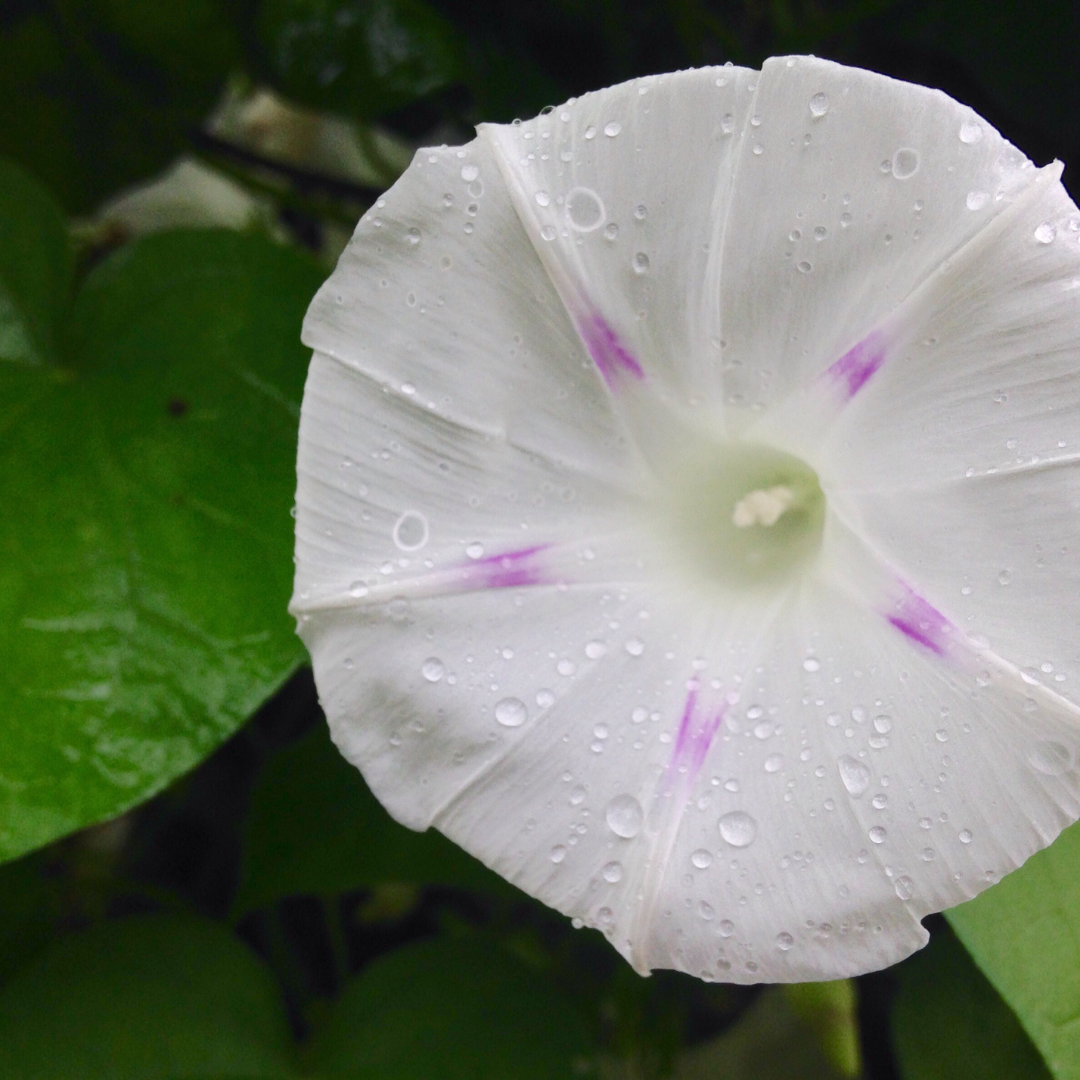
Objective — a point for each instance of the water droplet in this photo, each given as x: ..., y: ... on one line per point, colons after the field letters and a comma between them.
x: 557, y: 853
x: 432, y: 669
x: 731, y: 785
x: 726, y: 927
x: 784, y: 940
x: 605, y: 916
x: 795, y: 234
x: 641, y: 263
x: 877, y: 835
x: 577, y: 796
x: 413, y: 236
x: 701, y: 858
x: 1049, y: 758
x: 584, y: 210
x: 1004, y: 577
x: 941, y: 735
x: 641, y: 211
x: 774, y: 763
x: 738, y: 828
x: 727, y: 123
x: 511, y: 712
x: 820, y: 232
x: 623, y: 816
x: 905, y: 888
x: 612, y: 128
x: 964, y: 836
x: 566, y: 667
x: 928, y: 854
x: 545, y: 699
x: 758, y: 149
x: 548, y: 232
x: 542, y: 198
x: 469, y: 173
x: 1045, y: 233
x: 411, y: 531
x: 970, y: 132
x: 600, y: 731
x: 811, y: 664
x: 854, y: 774
x: 595, y: 649
x: 358, y: 590
x: 879, y: 802
x: 590, y: 132
x: 613, y: 872
x: 611, y: 231
x: 805, y: 267
x: 882, y: 724
x: 845, y: 220
x: 634, y: 646
x: 706, y: 911
x: 819, y: 105
x: 905, y: 163
x: 976, y: 200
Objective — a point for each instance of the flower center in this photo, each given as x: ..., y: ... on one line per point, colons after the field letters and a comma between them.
x: 743, y: 515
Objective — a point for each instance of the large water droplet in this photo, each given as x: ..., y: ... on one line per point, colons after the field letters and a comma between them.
x: 905, y: 888
x: 854, y: 774
x: 469, y: 173
x: 819, y: 105
x: 774, y: 763
x: 432, y: 669
x: 624, y: 816
x: 542, y: 198
x: 701, y: 858
x: 738, y: 828
x: 411, y: 531
x: 1049, y: 758
x: 964, y: 836
x: 612, y: 872
x: 1045, y: 233
x: 970, y: 132
x: 511, y: 712
x: 905, y: 163
x: 976, y: 200
x: 557, y: 853
x: 584, y: 210
x: 877, y: 835
x: 612, y: 128
x: 784, y: 940
x: 726, y: 928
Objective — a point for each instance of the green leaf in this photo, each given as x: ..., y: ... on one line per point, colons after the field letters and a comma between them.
x: 450, y: 1010
x: 363, y: 58
x: 314, y: 828
x: 949, y: 1023
x: 156, y: 997
x: 144, y: 577
x: 1025, y: 935
x: 35, y: 269
x: 830, y: 1010
x: 108, y: 91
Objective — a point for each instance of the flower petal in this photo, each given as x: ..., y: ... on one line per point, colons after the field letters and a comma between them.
x: 851, y: 188
x: 968, y: 474
x: 441, y: 297
x: 623, y: 191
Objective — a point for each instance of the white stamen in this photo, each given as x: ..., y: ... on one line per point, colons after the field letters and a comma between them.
x: 762, y: 507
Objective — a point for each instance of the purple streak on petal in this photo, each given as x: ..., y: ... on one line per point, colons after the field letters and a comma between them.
x: 919, y: 620
x: 854, y: 369
x: 611, y: 357
x: 692, y: 742
x: 507, y: 570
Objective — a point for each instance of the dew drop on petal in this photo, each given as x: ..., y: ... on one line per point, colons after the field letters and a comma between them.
x: 641, y: 263
x: 877, y: 835
x: 701, y: 858
x: 811, y: 664
x: 1045, y: 233
x: 905, y: 888
x: 358, y: 590
x: 595, y: 649
x: 726, y: 928
x: 738, y: 828
x: 964, y: 836
x: 774, y: 763
x: 634, y: 646
x: 805, y: 267
x: 432, y: 669
x: 1049, y: 758
x: 976, y: 200
x: 727, y: 123
x: 542, y: 198
x: 905, y: 163
x: 624, y: 816
x: 612, y: 129
x: 970, y: 132
x: 854, y: 774
x: 545, y: 698
x: 548, y: 232
x: 511, y: 712
x: 557, y: 853
x: 584, y: 209
x: 411, y: 531
x: 613, y: 872
x: 706, y: 911
x: 469, y: 173
x: 819, y: 105
x: 784, y: 940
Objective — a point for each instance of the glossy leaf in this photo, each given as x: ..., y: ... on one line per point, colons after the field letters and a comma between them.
x: 359, y: 57
x: 146, y: 572
x: 456, y: 1010
x: 155, y: 997
x: 1025, y: 935
x: 35, y: 268
x: 949, y: 1023
x: 315, y: 828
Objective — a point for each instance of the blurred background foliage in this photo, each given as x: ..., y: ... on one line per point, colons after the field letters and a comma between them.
x: 196, y: 885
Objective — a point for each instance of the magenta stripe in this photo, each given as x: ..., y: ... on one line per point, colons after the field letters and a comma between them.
x: 854, y: 369
x: 507, y: 570
x: 692, y: 743
x: 920, y: 621
x: 611, y: 356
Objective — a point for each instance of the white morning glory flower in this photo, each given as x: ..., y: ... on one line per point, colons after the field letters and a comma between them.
x: 688, y: 522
